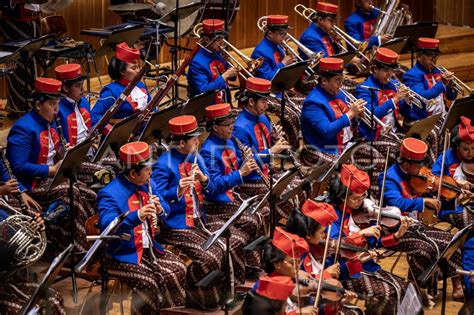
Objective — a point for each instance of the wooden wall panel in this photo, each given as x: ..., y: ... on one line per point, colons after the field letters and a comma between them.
x: 84, y: 14
x: 455, y: 12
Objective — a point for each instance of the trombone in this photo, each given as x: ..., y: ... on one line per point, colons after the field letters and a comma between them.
x: 250, y: 65
x: 457, y: 84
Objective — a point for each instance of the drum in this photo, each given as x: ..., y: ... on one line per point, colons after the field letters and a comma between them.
x: 215, y: 9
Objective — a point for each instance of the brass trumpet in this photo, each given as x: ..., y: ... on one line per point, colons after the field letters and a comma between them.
x: 247, y: 66
x: 457, y: 84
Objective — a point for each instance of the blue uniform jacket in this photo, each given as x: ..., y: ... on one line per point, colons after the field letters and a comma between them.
x: 451, y: 162
x: 359, y: 25
x: 167, y: 171
x: 468, y: 260
x: 205, y: 74
x: 382, y: 104
x: 108, y: 95
x: 27, y: 148
x: 67, y: 115
x: 319, y: 125
x: 416, y: 79
x: 272, y: 55
x: 316, y: 40
x: 116, y: 198
x: 251, y: 130
x: 4, y: 177
x: 222, y: 163
x: 397, y: 191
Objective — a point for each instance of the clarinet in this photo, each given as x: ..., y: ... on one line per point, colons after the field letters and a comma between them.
x: 61, y: 133
x: 154, y: 219
x: 23, y: 206
x: 291, y: 154
x: 243, y: 149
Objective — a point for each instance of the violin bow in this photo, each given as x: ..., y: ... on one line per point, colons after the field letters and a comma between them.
x: 320, y: 283
x: 382, y: 191
x: 297, y: 277
x: 443, y: 159
x: 339, y: 238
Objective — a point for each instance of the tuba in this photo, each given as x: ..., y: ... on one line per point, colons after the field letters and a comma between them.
x: 391, y: 16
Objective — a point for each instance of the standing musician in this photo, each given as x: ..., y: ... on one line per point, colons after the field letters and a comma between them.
x: 123, y: 68
x: 182, y: 179
x: 74, y: 110
x: 270, y: 49
x: 208, y: 71
x: 418, y: 239
x: 316, y: 36
x: 386, y: 100
x: 428, y: 81
x: 142, y: 263
x: 32, y: 150
x: 326, y: 119
x: 360, y: 24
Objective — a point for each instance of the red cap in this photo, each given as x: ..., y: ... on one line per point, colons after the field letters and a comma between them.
x: 68, y: 72
x: 413, y: 149
x: 258, y: 85
x: 321, y: 212
x: 182, y: 125
x: 126, y: 53
x: 330, y: 64
x: 466, y: 130
x: 428, y: 43
x: 134, y: 153
x: 218, y: 111
x: 327, y: 8
x: 210, y: 26
x: 386, y: 55
x: 47, y: 86
x: 290, y: 244
x: 276, y: 287
x: 356, y: 180
x: 277, y: 20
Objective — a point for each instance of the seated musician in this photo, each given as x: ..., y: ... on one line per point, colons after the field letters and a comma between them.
x: 427, y: 80
x: 141, y: 263
x: 74, y: 110
x: 386, y: 100
x: 271, y: 293
x: 174, y: 173
x: 374, y: 279
x: 123, y: 68
x: 399, y: 193
x: 360, y: 24
x: 270, y: 49
x: 209, y: 71
x: 326, y: 118
x: 32, y: 151
x: 316, y: 36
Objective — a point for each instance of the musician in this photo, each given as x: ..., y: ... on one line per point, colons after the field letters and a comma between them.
x: 123, y: 68
x: 32, y: 150
x: 270, y: 49
x: 326, y: 119
x: 427, y: 80
x: 385, y: 286
x: 429, y: 241
x: 174, y: 173
x: 142, y: 263
x: 360, y: 24
x: 386, y: 99
x: 316, y: 37
x: 208, y: 71
x: 271, y: 293
x: 74, y: 110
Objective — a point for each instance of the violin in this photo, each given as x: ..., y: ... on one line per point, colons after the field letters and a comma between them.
x: 427, y: 182
x: 348, y: 251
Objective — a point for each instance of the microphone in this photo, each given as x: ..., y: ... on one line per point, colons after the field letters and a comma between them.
x: 273, y: 155
x: 469, y: 273
x: 370, y: 88
x: 124, y: 237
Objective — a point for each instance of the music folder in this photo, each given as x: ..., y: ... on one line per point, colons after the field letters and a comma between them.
x: 422, y: 128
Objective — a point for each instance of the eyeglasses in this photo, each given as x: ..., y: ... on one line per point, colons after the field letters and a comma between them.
x: 359, y: 198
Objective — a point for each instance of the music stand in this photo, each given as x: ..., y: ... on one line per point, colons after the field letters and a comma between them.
x: 347, y: 56
x: 67, y: 171
x: 345, y: 156
x: 129, y: 34
x: 396, y: 44
x: 441, y: 263
x: 48, y: 279
x: 422, y: 128
x: 117, y: 137
x: 413, y: 32
x: 286, y: 78
x: 461, y: 107
x: 313, y: 175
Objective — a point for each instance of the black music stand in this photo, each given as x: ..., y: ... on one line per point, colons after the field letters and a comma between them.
x: 461, y: 107
x: 441, y: 263
x: 67, y: 171
x: 224, y: 231
x: 346, y: 56
x: 396, y: 44
x: 345, y: 156
x: 286, y: 78
x: 413, y: 32
x: 48, y: 279
x: 117, y: 137
x: 312, y: 176
x: 129, y: 34
x: 422, y: 128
